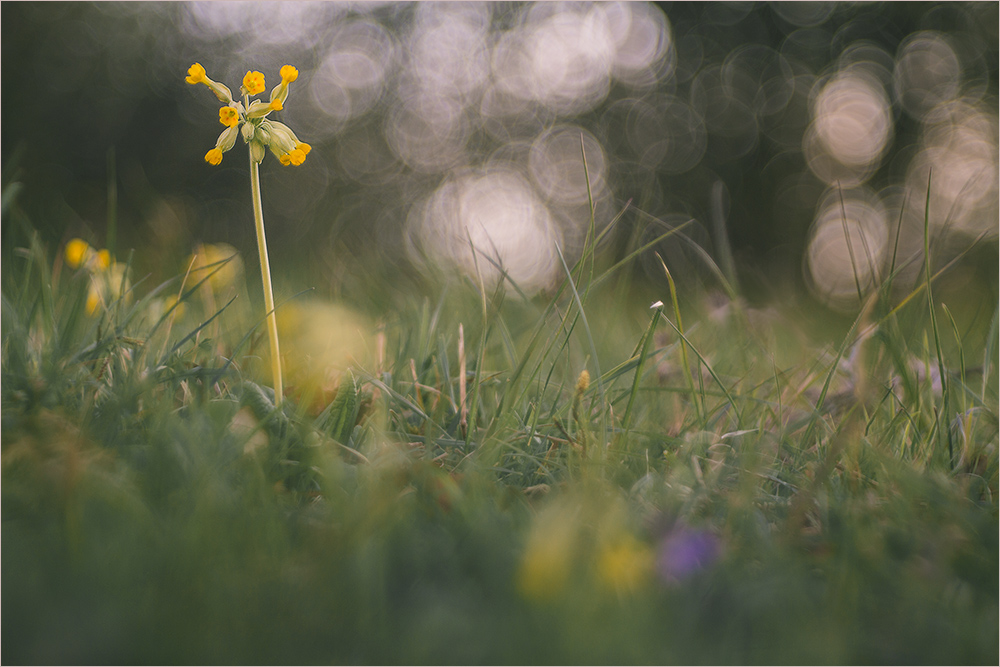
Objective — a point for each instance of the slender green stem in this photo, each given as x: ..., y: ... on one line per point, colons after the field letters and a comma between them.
x: 265, y: 271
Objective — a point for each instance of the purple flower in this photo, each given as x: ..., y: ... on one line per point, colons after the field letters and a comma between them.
x: 684, y: 551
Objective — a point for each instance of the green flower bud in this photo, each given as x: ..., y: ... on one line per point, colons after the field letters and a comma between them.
x: 227, y: 139
x: 282, y: 138
x: 263, y: 133
x: 256, y: 151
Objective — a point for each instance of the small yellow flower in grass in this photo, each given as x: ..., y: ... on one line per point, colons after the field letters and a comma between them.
x: 229, y: 116
x: 76, y: 251
x: 253, y: 83
x: 79, y: 253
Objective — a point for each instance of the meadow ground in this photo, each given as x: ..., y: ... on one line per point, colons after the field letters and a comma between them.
x: 477, y: 476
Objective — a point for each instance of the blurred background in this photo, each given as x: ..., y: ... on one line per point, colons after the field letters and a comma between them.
x: 795, y: 140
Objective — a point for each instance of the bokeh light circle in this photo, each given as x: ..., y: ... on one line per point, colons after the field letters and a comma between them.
x: 927, y: 73
x: 557, y: 167
x: 847, y: 247
x: 495, y: 211
x: 851, y: 128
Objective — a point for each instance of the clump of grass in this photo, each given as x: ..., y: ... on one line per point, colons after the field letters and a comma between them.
x: 507, y: 481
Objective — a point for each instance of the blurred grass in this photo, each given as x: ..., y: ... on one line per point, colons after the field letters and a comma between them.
x: 450, y: 491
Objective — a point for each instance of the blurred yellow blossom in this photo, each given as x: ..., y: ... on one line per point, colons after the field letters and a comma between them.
x: 177, y: 306
x: 625, y: 564
x: 76, y: 251
x: 549, y: 554
x: 219, y: 262
x: 79, y: 253
x: 320, y: 341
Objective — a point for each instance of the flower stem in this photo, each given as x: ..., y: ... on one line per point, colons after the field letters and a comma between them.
x: 265, y: 270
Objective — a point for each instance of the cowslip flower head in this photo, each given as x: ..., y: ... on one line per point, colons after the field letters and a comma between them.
x: 249, y: 117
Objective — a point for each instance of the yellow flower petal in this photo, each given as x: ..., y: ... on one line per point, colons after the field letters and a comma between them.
x: 213, y: 156
x: 289, y: 74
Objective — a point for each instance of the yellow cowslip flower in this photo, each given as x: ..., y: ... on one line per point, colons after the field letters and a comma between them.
x: 258, y: 109
x: 249, y: 118
x: 76, y: 252
x: 229, y: 116
x: 285, y: 145
x: 296, y: 157
x: 196, y: 74
x: 280, y: 92
x: 253, y: 83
